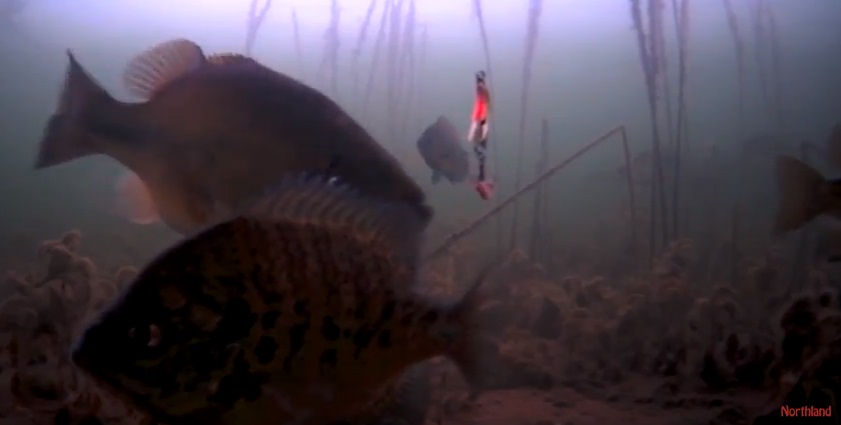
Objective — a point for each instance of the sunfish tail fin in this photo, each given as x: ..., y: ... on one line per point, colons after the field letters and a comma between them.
x: 66, y: 137
x: 471, y: 352
x: 800, y: 194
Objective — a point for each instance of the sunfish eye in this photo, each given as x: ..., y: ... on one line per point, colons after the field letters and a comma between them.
x: 154, y: 335
x: 150, y: 336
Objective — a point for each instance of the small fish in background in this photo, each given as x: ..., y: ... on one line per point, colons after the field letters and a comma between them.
x: 804, y: 194
x: 441, y: 149
x: 296, y: 309
x: 211, y: 133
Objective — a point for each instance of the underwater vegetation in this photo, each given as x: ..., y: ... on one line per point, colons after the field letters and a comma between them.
x: 564, y: 342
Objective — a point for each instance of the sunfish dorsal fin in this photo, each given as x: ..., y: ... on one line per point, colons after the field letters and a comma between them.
x: 222, y: 59
x: 154, y: 68
x: 315, y: 200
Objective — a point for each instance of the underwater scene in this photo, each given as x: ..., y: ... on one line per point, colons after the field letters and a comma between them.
x: 420, y: 212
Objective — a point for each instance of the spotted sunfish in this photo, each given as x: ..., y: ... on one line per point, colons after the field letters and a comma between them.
x: 297, y: 310
x: 211, y: 132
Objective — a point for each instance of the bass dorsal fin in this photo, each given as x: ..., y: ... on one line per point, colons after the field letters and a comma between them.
x: 156, y: 67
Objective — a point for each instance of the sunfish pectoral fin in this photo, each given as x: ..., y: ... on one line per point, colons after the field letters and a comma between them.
x: 66, y: 136
x: 134, y: 200
x: 154, y: 68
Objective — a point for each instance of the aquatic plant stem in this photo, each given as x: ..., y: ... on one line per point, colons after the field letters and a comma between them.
x: 776, y: 67
x: 648, y: 54
x: 494, y: 149
x: 296, y: 35
x: 360, y: 41
x: 659, y: 37
x: 629, y: 178
x: 739, y: 48
x: 372, y: 72
x: 254, y: 22
x: 456, y: 236
x: 330, y: 60
x: 760, y: 38
x: 538, y: 225
x: 419, y: 73
x: 392, y: 73
x: 532, y: 33
x: 681, y: 16
x: 655, y: 51
x: 407, y: 68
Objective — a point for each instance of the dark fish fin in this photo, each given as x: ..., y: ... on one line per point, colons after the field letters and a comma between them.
x: 323, y: 201
x: 801, y: 199
x: 222, y: 59
x: 66, y: 136
x: 159, y: 65
x: 412, y: 397
x: 436, y: 176
x: 404, y: 401
x: 833, y: 145
x: 469, y: 353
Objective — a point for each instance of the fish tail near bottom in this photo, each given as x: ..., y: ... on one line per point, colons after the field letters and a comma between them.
x: 801, y: 196
x: 66, y: 136
x: 470, y: 352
